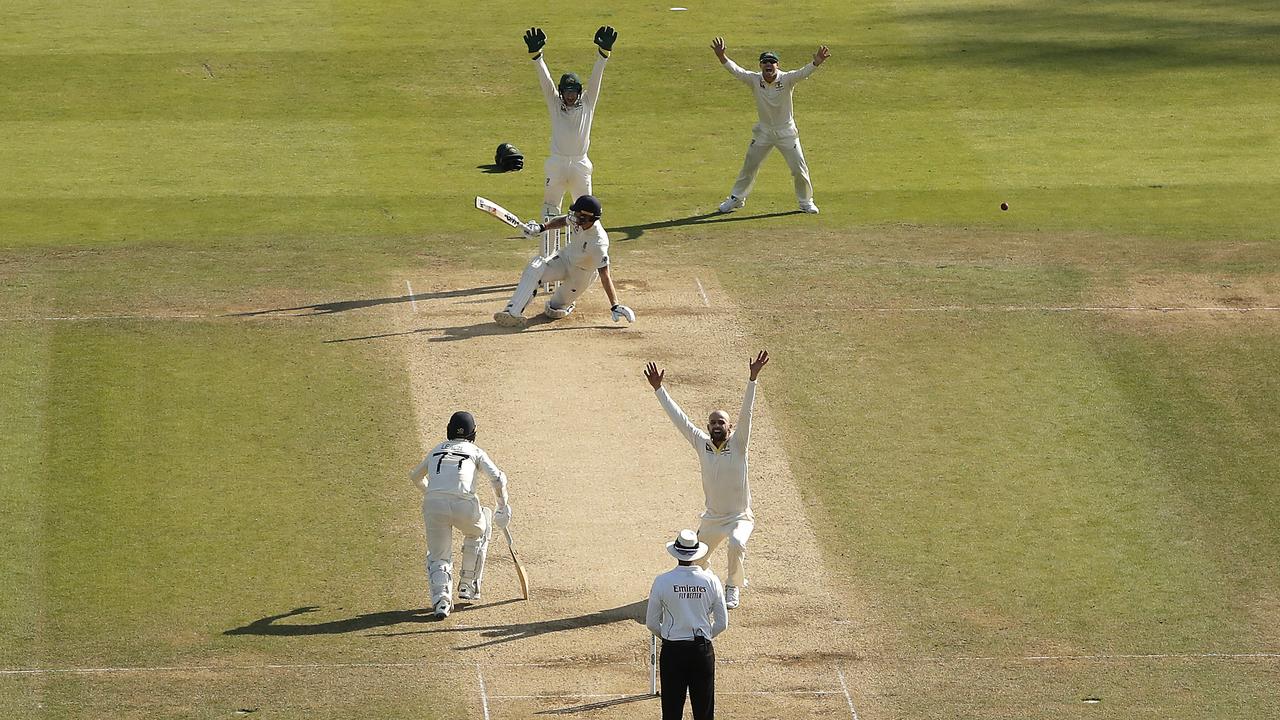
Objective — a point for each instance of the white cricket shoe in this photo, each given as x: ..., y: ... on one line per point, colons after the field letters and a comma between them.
x: 807, y: 206
x: 506, y: 319
x: 731, y: 599
x: 556, y: 313
x: 732, y: 203
x: 442, y: 608
x: 468, y: 591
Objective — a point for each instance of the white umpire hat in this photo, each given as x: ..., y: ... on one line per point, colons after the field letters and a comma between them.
x: 686, y: 546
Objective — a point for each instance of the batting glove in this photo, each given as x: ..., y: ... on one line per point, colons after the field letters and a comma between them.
x: 535, y: 39
x: 606, y: 36
x: 533, y: 229
x: 502, y: 516
x: 621, y: 311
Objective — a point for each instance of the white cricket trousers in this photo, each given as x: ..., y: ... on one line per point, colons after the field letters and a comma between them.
x: 789, y: 146
x: 737, y: 530
x: 442, y: 512
x: 565, y: 174
x: 574, y: 280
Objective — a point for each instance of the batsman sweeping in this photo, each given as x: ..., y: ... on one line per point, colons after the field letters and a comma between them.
x: 575, y: 265
x: 450, y: 501
x: 722, y: 452
x: 776, y: 127
x: 572, y: 109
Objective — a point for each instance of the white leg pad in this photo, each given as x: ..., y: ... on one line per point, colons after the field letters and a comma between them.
x: 529, y: 280
x: 475, y: 549
x: 440, y: 575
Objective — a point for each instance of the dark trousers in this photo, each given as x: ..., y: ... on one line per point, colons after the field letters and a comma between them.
x: 688, y: 665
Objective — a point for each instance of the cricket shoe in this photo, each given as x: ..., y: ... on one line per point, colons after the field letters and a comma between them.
x: 556, y: 313
x: 468, y: 592
x: 732, y: 203
x: 442, y: 608
x: 506, y: 319
x: 731, y: 599
x: 807, y: 206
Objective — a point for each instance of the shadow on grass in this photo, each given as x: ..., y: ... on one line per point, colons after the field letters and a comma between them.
x: 634, y: 231
x: 271, y: 624
x: 499, y: 634
x: 1083, y: 35
x: 338, y: 306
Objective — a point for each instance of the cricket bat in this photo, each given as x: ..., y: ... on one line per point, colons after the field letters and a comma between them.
x: 498, y: 211
x: 524, y: 579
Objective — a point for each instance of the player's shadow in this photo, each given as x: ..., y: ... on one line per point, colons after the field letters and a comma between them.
x: 498, y: 634
x: 271, y: 624
x: 490, y: 169
x: 337, y: 306
x: 634, y: 231
x: 480, y: 329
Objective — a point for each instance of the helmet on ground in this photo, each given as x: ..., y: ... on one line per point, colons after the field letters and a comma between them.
x: 462, y: 426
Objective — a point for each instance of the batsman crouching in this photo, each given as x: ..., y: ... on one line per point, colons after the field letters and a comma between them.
x: 575, y: 266
x: 449, y: 502
x: 722, y: 452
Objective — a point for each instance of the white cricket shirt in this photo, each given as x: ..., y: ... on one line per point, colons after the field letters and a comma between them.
x: 589, y: 249
x: 451, y: 466
x: 724, y: 469
x: 571, y: 126
x: 686, y: 602
x: 773, y: 100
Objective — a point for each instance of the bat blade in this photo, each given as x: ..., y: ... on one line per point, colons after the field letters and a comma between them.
x: 520, y: 574
x: 498, y: 211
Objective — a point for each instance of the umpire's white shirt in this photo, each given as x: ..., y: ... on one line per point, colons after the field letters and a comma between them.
x: 571, y: 126
x: 450, y: 467
x: 773, y: 100
x: 685, y: 603
x: 724, y: 469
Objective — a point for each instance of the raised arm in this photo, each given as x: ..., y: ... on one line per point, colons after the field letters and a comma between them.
x: 535, y: 39
x: 743, y: 429
x: 690, y: 431
x: 717, y: 45
x: 819, y: 57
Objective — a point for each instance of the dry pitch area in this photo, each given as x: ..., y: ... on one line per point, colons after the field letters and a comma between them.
x: 600, y: 480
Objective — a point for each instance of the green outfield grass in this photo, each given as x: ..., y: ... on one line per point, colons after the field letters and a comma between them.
x: 994, y: 476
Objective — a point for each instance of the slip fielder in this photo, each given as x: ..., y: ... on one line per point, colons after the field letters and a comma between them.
x: 722, y: 453
x: 449, y: 501
x: 572, y: 109
x: 776, y: 127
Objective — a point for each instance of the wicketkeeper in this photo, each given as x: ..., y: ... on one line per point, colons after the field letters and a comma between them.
x: 722, y: 452
x: 575, y: 266
x: 449, y: 502
x: 572, y: 109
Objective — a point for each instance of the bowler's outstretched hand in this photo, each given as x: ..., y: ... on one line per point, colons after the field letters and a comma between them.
x: 759, y: 363
x: 654, y: 375
x: 821, y: 56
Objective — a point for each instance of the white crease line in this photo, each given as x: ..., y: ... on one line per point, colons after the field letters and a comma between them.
x: 847, y: 698
x: 701, y: 292
x: 1147, y: 656
x: 412, y: 303
x: 215, y: 668
x: 615, y: 696
x: 484, y: 696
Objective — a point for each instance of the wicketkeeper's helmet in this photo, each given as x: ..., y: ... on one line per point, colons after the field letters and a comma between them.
x: 462, y: 426
x: 508, y: 157
x: 570, y: 81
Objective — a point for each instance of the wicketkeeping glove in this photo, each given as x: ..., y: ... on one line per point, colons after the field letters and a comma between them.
x: 535, y: 39
x: 533, y: 229
x: 606, y: 36
x: 621, y: 311
x: 502, y: 516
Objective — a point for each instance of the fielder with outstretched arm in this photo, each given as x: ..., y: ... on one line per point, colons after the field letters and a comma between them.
x: 776, y: 127
x: 576, y: 265
x: 572, y: 109
x: 722, y: 452
x: 449, y: 501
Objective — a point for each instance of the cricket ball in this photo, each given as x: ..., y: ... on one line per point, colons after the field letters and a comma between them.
x: 1004, y: 206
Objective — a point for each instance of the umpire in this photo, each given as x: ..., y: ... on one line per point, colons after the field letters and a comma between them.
x: 686, y: 610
